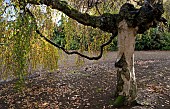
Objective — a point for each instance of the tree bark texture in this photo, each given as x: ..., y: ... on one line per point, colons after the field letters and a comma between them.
x: 126, y: 81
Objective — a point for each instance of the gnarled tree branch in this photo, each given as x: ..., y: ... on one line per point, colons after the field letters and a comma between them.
x: 144, y: 18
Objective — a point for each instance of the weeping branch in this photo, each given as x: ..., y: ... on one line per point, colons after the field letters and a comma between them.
x: 72, y: 52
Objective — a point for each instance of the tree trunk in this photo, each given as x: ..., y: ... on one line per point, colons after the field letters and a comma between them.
x: 126, y: 90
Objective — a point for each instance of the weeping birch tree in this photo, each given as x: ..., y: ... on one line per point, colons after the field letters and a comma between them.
x: 134, y: 17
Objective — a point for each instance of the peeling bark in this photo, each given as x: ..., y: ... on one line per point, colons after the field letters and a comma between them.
x: 126, y: 81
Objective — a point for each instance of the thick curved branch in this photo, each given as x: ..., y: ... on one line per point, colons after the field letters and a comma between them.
x: 106, y: 22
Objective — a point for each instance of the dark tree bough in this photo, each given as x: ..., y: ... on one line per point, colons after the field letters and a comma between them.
x: 127, y: 24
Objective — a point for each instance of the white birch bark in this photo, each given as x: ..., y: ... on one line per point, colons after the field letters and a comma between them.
x: 126, y: 85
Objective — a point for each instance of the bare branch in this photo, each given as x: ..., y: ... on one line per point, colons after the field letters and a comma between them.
x: 72, y: 52
x: 96, y: 5
x: 75, y: 52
